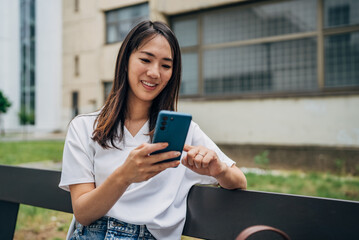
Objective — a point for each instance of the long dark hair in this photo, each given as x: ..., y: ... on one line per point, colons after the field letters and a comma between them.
x: 115, y: 109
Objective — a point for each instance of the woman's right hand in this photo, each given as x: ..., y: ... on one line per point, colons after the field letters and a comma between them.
x: 141, y: 166
x: 90, y: 203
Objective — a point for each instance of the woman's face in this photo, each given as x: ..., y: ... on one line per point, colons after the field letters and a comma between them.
x: 149, y: 69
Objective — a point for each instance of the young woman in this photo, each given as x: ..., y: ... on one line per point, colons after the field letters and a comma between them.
x: 118, y: 190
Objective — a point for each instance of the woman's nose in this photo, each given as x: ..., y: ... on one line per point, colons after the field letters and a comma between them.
x: 153, y: 72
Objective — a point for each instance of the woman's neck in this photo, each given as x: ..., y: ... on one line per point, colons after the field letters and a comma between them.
x: 137, y: 116
x: 137, y: 111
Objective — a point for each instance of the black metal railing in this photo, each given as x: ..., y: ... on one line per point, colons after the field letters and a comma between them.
x: 212, y: 213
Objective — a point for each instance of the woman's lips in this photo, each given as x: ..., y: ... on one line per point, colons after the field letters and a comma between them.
x: 148, y: 85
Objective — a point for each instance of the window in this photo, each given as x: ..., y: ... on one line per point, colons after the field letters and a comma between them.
x: 269, y: 47
x: 188, y: 40
x: 76, y: 5
x: 120, y: 21
x: 75, y: 104
x: 341, y: 46
x: 340, y: 13
x: 107, y: 86
x: 77, y: 66
x: 28, y: 63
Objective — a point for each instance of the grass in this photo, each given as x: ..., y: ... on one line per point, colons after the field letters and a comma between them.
x: 310, y: 184
x: 13, y: 153
x: 38, y: 223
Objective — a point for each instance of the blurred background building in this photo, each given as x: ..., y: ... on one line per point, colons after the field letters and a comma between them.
x: 278, y: 75
x: 30, y: 63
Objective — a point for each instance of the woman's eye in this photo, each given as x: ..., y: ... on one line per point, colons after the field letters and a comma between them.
x: 166, y: 66
x: 145, y: 60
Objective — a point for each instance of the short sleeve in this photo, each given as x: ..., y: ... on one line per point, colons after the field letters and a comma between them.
x: 77, y: 162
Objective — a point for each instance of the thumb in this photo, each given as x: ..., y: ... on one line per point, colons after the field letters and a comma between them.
x: 187, y: 147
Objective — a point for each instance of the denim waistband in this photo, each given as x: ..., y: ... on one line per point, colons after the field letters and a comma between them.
x: 113, y: 224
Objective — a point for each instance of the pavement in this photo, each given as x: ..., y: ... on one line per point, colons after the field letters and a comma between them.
x: 32, y: 136
x: 49, y: 165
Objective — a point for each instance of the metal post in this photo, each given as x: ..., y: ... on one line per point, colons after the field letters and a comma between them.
x: 8, y: 217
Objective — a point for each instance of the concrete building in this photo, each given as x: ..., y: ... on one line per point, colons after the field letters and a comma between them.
x: 30, y: 63
x: 257, y: 75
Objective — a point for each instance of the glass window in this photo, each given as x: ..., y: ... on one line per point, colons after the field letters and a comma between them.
x: 342, y: 60
x: 261, y: 21
x: 339, y: 13
x: 75, y: 103
x: 28, y: 62
x: 269, y: 47
x: 107, y: 86
x: 76, y: 3
x: 189, y: 84
x: 120, y: 21
x: 268, y: 67
x: 77, y: 66
x: 186, y: 32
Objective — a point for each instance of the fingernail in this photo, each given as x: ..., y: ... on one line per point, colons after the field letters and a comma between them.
x: 177, y: 154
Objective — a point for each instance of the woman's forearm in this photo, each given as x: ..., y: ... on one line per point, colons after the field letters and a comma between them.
x: 232, y: 178
x: 90, y: 203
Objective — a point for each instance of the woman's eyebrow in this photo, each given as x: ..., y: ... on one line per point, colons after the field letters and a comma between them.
x: 152, y: 55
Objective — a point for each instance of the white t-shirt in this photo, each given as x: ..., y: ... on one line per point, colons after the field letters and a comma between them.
x: 160, y: 202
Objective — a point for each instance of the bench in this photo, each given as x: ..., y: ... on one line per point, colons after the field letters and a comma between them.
x: 213, y: 213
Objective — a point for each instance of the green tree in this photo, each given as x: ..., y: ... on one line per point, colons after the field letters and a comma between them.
x: 4, y: 106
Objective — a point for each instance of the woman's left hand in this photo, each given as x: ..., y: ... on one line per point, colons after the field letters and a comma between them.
x: 203, y: 161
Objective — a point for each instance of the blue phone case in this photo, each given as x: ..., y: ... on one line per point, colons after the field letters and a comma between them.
x: 172, y: 127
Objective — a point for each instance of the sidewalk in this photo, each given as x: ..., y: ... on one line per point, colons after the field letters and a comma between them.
x: 32, y: 136
x: 49, y: 165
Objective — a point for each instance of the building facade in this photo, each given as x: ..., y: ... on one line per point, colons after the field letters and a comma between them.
x: 279, y: 75
x: 30, y: 60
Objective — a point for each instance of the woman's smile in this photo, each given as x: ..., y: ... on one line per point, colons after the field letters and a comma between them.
x: 148, y: 85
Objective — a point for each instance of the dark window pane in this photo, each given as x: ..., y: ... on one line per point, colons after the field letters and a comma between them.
x: 342, y: 60
x: 75, y: 104
x: 107, y: 89
x: 189, y: 84
x: 28, y: 61
x: 339, y: 13
x: 120, y: 21
x: 270, y: 67
x: 186, y: 32
x: 259, y: 21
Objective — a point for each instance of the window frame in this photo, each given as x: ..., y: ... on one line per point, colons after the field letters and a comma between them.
x: 320, y: 33
x: 107, y: 42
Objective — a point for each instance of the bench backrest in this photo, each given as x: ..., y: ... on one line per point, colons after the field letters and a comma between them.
x: 213, y: 213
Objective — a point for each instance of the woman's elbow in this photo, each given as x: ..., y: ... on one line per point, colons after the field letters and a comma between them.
x: 83, y: 220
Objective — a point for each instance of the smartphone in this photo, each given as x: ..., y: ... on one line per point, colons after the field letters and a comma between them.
x: 171, y: 127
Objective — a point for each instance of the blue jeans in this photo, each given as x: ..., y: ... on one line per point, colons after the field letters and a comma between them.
x: 111, y: 229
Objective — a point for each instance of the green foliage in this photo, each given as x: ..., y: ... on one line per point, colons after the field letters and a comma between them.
x: 30, y: 151
x: 4, y: 103
x: 312, y: 184
x: 340, y: 165
x: 262, y: 159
